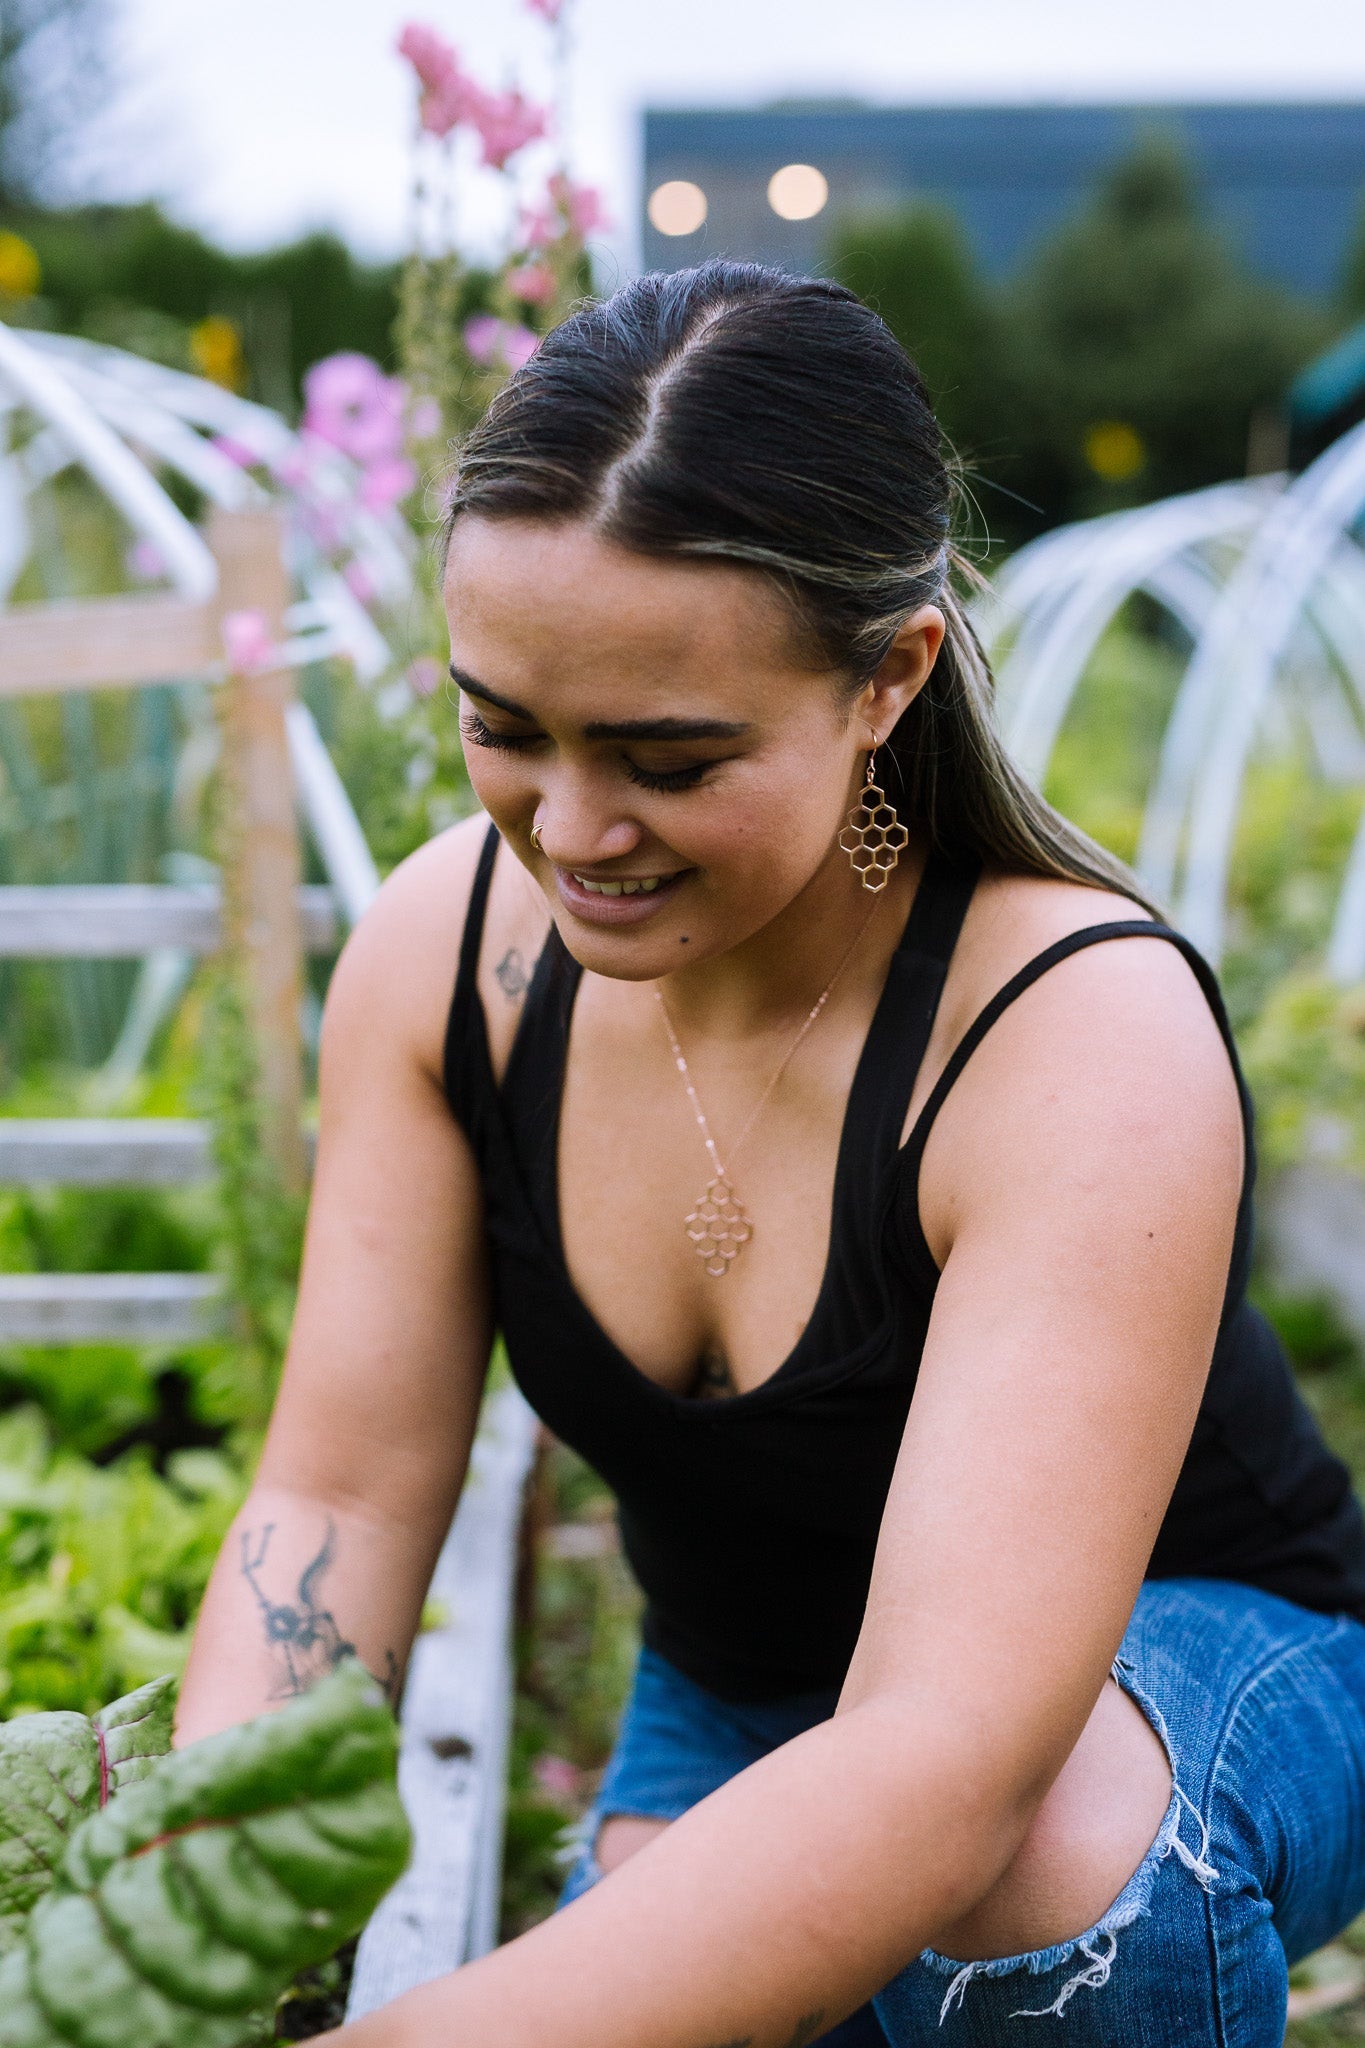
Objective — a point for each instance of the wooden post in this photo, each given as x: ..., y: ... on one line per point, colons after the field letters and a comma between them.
x: 261, y: 852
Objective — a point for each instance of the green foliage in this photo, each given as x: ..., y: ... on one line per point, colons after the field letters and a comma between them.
x: 1305, y: 1060
x: 260, y: 1235
x: 181, y: 1908
x: 130, y: 276
x: 1102, y: 765
x: 915, y: 267
x: 101, y: 1571
x: 575, y: 1656
x: 1311, y: 1328
x: 98, y: 1230
x: 55, y: 1769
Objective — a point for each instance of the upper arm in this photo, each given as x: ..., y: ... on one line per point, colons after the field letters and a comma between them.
x: 1081, y: 1188
x: 392, y: 1331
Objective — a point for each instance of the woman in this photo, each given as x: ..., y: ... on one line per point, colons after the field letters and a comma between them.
x: 801, y: 1061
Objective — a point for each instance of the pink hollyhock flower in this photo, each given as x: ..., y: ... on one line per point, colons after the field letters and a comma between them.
x: 557, y: 1776
x: 429, y: 54
x: 424, y: 676
x: 351, y: 404
x: 548, y: 10
x: 581, y: 205
x: 449, y: 96
x: 506, y: 122
x: 236, y: 451
x: 247, y: 642
x: 359, y: 582
x: 492, y: 341
x: 424, y: 421
x: 539, y: 226
x: 145, y: 561
x: 291, y: 470
x: 532, y: 283
x: 325, y: 525
x: 385, y: 481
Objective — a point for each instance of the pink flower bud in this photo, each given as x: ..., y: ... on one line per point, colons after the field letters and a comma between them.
x: 385, y: 481
x: 247, y: 643
x: 557, y: 1776
x: 236, y: 451
x: 144, y: 561
x: 495, y: 342
x: 532, y: 283
x: 424, y: 676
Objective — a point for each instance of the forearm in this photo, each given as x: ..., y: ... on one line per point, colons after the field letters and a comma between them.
x: 299, y: 1584
x: 766, y: 1914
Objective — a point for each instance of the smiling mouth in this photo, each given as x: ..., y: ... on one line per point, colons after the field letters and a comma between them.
x: 628, y: 885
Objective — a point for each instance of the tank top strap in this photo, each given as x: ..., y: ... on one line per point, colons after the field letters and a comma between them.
x: 466, y: 1068
x: 912, y: 1152
x: 900, y: 1028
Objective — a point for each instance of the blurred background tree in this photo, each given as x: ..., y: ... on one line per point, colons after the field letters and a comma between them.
x: 1128, y: 358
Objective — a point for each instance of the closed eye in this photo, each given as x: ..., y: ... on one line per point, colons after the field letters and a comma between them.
x: 481, y: 735
x: 663, y: 781
x: 666, y: 779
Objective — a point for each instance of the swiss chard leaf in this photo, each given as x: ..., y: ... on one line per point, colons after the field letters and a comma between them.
x: 135, y: 1731
x: 184, y: 1906
x: 49, y: 1781
x: 57, y: 1768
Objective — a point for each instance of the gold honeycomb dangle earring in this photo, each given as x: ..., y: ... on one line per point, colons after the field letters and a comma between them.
x: 874, y: 838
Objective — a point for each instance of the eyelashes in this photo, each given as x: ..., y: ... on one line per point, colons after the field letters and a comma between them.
x: 663, y: 783
x: 474, y: 729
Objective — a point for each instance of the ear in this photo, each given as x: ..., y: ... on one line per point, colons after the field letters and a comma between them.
x: 902, y: 673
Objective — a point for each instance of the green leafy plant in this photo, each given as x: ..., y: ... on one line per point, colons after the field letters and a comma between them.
x: 54, y: 1769
x: 192, y: 1886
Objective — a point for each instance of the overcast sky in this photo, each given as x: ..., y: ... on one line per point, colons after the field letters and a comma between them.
x: 261, y: 117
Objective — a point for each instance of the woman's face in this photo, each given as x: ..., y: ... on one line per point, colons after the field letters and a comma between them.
x: 688, y: 776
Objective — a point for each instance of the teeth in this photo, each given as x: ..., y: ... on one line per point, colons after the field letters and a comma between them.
x: 631, y: 886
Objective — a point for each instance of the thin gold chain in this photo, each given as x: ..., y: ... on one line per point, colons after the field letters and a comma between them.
x: 680, y: 1058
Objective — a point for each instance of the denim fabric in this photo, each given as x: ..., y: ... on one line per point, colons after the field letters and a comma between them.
x: 1259, y: 1859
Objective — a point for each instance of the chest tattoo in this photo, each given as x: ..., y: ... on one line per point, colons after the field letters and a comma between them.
x: 511, y: 976
x: 715, y: 1381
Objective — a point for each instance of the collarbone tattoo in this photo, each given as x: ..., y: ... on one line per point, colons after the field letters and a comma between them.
x: 511, y: 976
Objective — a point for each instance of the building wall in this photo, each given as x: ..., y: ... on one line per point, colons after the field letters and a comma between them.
x: 1285, y: 181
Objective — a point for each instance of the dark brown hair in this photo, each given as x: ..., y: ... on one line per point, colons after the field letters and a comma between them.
x: 737, y: 413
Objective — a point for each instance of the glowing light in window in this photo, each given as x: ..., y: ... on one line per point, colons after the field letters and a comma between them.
x: 678, y: 207
x: 797, y: 191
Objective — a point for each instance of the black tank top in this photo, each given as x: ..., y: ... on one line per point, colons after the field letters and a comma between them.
x: 751, y: 1522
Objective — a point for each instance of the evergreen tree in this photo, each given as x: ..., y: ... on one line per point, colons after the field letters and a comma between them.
x: 1142, y: 348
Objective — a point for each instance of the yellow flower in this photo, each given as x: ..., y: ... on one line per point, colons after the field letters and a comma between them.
x: 216, y: 347
x: 1114, y: 450
x: 20, y: 271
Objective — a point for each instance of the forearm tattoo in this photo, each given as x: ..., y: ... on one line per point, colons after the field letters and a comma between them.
x: 511, y: 976
x: 302, y: 1632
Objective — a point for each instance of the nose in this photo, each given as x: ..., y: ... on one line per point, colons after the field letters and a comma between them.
x: 576, y: 828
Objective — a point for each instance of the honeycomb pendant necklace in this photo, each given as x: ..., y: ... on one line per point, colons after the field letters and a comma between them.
x: 718, y: 1225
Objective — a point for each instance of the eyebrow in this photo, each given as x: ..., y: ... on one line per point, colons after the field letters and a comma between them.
x: 613, y: 729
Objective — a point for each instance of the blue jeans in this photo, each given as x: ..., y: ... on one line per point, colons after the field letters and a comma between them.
x: 1260, y: 1858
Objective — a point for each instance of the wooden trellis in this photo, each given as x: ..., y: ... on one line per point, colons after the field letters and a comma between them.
x: 127, y: 642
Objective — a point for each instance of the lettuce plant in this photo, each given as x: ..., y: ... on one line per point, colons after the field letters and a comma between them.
x: 151, y: 1899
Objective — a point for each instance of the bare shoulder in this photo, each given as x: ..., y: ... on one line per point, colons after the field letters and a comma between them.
x: 1015, y: 918
x: 396, y: 974
x: 1110, y: 1065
